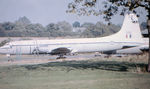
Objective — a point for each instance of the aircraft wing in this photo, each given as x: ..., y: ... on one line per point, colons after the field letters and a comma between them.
x: 60, y: 51
x: 115, y: 51
x: 144, y: 48
x: 125, y: 47
x: 57, y: 50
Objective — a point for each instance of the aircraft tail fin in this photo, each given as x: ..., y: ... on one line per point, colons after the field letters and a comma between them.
x: 130, y: 29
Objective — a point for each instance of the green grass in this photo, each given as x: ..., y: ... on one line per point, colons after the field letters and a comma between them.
x: 75, y: 75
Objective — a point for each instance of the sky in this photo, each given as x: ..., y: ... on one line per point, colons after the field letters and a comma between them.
x: 48, y: 11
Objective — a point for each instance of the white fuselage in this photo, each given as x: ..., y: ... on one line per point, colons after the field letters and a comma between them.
x: 75, y: 45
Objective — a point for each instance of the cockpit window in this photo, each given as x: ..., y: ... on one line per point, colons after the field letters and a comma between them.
x: 4, y: 42
x: 6, y: 46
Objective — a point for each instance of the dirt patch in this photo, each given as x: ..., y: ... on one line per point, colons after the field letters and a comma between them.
x: 37, y: 61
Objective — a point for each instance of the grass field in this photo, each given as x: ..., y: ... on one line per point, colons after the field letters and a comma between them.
x: 89, y: 74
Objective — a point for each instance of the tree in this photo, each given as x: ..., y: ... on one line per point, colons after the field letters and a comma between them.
x: 76, y: 24
x: 34, y: 30
x: 52, y: 29
x: 89, y: 30
x: 65, y: 29
x: 2, y: 30
x: 98, y: 29
x: 23, y: 20
x: 143, y: 25
x: 111, y: 8
x: 8, y: 25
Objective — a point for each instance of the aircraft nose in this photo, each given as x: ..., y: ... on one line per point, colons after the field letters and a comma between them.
x: 2, y: 51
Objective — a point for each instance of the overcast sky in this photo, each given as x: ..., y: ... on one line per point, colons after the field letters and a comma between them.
x: 47, y: 11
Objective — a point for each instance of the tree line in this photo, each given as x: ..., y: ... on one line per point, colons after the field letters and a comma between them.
x: 24, y: 28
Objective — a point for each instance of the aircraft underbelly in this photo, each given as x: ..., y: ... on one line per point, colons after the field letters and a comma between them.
x: 96, y: 47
